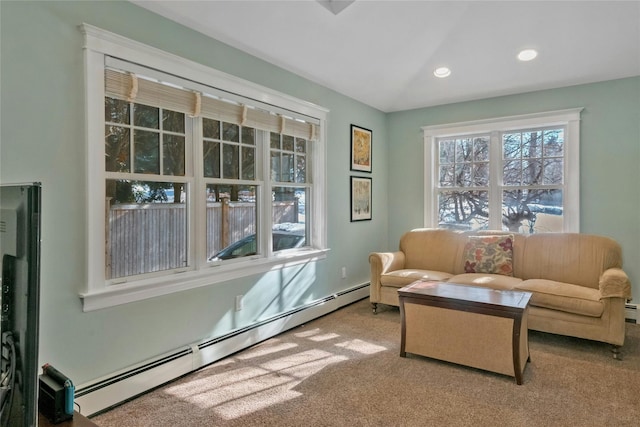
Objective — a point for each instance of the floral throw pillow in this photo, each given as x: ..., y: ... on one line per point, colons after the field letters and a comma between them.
x: 489, y: 254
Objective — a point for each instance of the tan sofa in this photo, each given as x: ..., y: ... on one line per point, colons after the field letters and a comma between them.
x: 577, y: 284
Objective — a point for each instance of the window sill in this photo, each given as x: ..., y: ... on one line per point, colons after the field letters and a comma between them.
x: 113, y: 295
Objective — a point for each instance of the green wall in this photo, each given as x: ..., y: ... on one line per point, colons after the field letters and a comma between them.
x: 42, y: 139
x: 609, y: 157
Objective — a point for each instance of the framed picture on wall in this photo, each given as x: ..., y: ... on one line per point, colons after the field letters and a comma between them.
x: 360, y: 198
x: 361, y: 149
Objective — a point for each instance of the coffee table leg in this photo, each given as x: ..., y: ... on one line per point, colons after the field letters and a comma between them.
x: 515, y: 341
x: 403, y: 329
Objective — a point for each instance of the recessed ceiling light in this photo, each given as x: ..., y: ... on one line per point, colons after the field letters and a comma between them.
x: 527, y: 54
x: 442, y: 72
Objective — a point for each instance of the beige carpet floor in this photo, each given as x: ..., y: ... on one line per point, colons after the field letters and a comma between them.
x: 344, y: 369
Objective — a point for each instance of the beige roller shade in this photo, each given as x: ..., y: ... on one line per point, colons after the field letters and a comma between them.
x: 132, y: 88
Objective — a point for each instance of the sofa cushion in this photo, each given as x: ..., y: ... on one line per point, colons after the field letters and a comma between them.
x: 493, y: 281
x: 400, y: 278
x: 492, y: 254
x: 574, y: 258
x: 432, y: 249
x: 563, y: 296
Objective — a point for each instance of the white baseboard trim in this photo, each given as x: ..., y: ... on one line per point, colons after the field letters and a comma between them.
x: 116, y: 388
x: 631, y: 312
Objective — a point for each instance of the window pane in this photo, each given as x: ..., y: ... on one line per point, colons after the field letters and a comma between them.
x: 463, y: 175
x: 173, y: 121
x: 532, y: 144
x: 146, y: 226
x: 301, y: 169
x: 286, y: 173
x: 481, y: 174
x: 464, y: 150
x: 532, y: 172
x: 512, y: 172
x: 116, y: 111
x: 481, y: 149
x: 447, y: 151
x: 275, y: 140
x: 553, y: 171
x: 230, y: 161
x: 301, y: 145
x: 211, y: 158
x: 287, y: 143
x: 117, y: 149
x: 231, y: 221
x: 230, y: 132
x: 289, y: 228
x: 463, y: 210
x: 511, y: 148
x: 532, y: 211
x: 553, y: 143
x: 248, y: 163
x: 146, y: 152
x: 446, y: 175
x: 248, y: 136
x: 173, y: 155
x: 210, y: 128
x: 145, y: 116
x: 275, y: 166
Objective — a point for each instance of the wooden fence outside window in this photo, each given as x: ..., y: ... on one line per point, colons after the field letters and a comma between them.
x: 143, y: 238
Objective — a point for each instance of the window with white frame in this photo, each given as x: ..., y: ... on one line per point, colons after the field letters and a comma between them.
x: 518, y: 173
x: 193, y: 171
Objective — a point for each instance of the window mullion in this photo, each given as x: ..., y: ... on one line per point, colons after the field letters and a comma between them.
x: 265, y: 210
x: 431, y: 189
x: 132, y: 152
x: 160, y: 141
x: 196, y: 202
x: 495, y: 181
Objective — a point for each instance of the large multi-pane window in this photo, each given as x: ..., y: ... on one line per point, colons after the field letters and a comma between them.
x: 505, y: 175
x: 192, y: 178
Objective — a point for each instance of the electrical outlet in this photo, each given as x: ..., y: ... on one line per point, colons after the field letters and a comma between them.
x: 344, y: 272
x: 239, y: 302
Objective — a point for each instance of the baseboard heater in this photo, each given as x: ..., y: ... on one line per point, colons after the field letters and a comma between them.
x: 106, y: 392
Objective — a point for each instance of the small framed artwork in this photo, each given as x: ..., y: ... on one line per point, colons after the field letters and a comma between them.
x: 361, y: 149
x: 360, y: 198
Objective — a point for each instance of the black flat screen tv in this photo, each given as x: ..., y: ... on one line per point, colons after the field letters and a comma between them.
x: 19, y: 303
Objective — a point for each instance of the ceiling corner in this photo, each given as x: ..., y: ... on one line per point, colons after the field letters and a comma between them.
x: 335, y: 6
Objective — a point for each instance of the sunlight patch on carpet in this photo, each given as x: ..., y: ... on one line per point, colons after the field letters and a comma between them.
x: 230, y: 380
x: 267, y: 349
x: 324, y: 337
x: 255, y: 402
x: 237, y: 392
x: 309, y: 333
x: 361, y: 346
x: 299, y: 361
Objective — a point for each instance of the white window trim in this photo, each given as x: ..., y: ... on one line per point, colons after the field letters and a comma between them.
x: 569, y: 118
x: 97, y: 294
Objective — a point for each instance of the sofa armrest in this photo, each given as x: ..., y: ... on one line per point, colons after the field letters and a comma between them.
x: 382, y: 262
x: 614, y: 283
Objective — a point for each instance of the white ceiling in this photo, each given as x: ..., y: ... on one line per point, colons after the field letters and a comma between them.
x: 383, y: 53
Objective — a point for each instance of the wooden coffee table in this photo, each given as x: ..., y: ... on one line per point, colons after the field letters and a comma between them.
x: 468, y: 325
